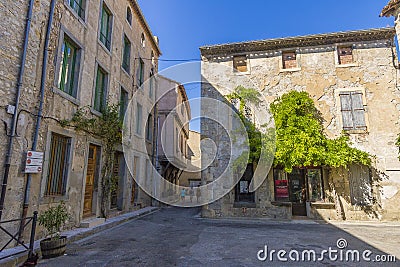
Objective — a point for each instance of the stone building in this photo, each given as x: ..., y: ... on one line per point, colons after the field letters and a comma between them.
x: 174, y: 115
x: 353, y: 79
x: 99, y: 52
x: 191, y: 177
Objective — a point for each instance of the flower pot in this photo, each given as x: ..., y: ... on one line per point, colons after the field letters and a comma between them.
x: 53, y: 247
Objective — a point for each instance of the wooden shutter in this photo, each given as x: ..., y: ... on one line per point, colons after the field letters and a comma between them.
x: 345, y: 55
x: 289, y: 60
x: 358, y: 111
x: 345, y: 102
x: 240, y: 63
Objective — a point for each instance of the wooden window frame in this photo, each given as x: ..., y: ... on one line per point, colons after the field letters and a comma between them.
x: 100, y: 94
x: 126, y: 54
x: 69, y: 68
x: 78, y: 6
x: 288, y: 57
x: 57, y: 175
x: 106, y: 27
x: 343, y: 53
x: 239, y: 66
x: 129, y: 15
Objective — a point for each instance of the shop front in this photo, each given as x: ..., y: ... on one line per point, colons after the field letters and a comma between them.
x: 299, y: 188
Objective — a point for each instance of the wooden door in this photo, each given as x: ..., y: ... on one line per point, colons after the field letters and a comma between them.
x: 90, y: 178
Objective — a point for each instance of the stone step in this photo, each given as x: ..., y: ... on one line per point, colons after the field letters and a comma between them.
x: 92, y: 222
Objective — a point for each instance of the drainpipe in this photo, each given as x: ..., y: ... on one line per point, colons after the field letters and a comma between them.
x: 39, y: 116
x: 15, y: 115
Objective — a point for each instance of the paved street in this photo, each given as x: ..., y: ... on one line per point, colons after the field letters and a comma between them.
x: 179, y: 237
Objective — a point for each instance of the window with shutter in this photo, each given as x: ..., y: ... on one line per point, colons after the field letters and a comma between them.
x: 240, y: 63
x: 353, y: 112
x: 289, y: 60
x: 345, y: 55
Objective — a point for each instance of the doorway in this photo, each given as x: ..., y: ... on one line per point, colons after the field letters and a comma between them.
x: 297, y: 192
x: 91, y: 179
x: 298, y: 187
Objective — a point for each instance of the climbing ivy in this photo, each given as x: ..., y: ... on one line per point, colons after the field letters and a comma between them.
x: 246, y: 96
x: 108, y: 128
x: 300, y: 140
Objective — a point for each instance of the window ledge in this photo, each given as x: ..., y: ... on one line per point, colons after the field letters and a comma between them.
x: 95, y: 112
x: 356, y: 131
x: 290, y: 70
x: 138, y: 135
x: 108, y: 51
x: 347, y: 65
x: 63, y: 94
x: 239, y: 73
x: 53, y: 199
x: 126, y: 72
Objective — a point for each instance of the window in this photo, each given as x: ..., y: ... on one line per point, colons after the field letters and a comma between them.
x: 149, y: 128
x: 129, y: 15
x: 69, y: 67
x: 123, y: 102
x: 78, y: 7
x: 141, y: 72
x: 352, y: 109
x: 345, y: 55
x: 240, y: 63
x: 281, y: 185
x: 105, y: 27
x: 143, y: 40
x: 126, y: 56
x: 289, y: 60
x: 151, y: 85
x: 242, y: 189
x: 100, y: 93
x: 139, y: 119
x: 58, y: 165
x: 153, y: 59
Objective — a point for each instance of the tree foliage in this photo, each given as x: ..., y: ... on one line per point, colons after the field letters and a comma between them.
x: 300, y: 140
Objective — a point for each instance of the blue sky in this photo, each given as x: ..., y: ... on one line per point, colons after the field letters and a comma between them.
x: 184, y: 25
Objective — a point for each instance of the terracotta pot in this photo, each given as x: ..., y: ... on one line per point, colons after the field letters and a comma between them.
x: 53, y: 247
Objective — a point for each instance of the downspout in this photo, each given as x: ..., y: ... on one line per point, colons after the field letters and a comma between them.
x: 39, y: 116
x: 15, y: 115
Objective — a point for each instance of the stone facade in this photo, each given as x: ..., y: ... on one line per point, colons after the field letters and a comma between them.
x: 81, y: 28
x: 317, y: 66
x: 174, y: 115
x: 192, y: 176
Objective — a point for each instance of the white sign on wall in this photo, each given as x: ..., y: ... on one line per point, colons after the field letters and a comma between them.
x: 34, y: 162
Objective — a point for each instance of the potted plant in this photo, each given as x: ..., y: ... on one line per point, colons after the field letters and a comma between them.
x: 53, y: 219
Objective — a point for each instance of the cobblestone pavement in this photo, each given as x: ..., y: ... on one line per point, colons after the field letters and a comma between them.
x: 179, y: 237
